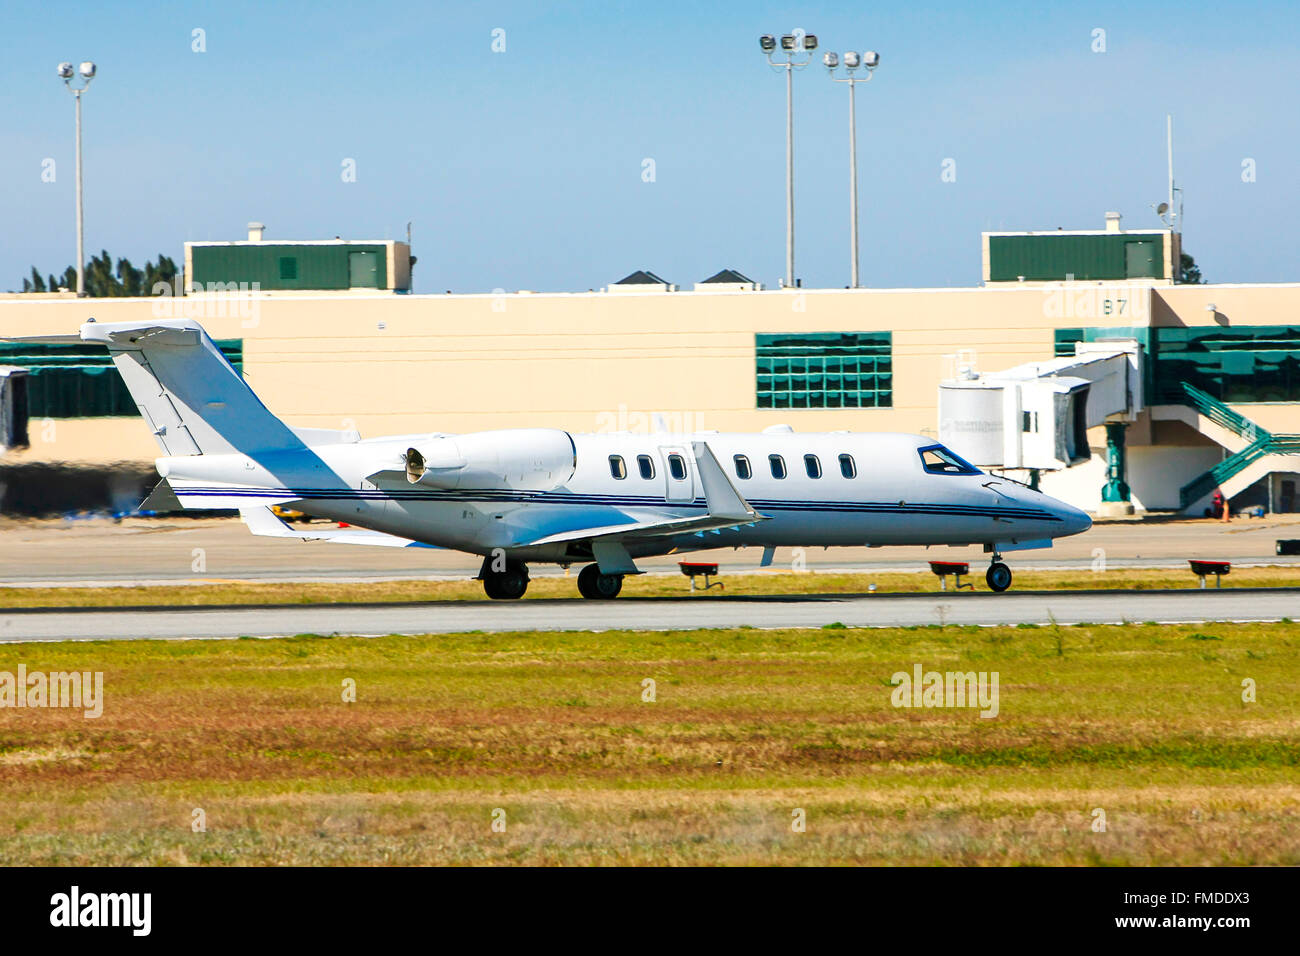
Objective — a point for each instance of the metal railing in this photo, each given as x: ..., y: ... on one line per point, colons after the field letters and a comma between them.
x: 1261, y: 444
x: 1221, y: 414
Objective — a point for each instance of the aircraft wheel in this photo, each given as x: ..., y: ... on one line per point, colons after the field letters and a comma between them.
x: 998, y: 576
x: 596, y: 586
x: 507, y: 585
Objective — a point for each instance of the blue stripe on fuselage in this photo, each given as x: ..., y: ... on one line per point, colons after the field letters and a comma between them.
x: 566, y: 498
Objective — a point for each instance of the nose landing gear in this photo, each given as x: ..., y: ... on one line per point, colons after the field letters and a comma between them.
x: 998, y: 575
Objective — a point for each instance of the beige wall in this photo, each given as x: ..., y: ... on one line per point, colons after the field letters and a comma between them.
x: 592, y: 361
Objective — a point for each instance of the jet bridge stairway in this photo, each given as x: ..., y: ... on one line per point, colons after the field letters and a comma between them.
x: 1254, y: 451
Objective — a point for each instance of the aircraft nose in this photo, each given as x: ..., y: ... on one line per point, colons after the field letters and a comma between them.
x: 1076, y: 521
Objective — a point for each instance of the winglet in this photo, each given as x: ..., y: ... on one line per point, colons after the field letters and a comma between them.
x: 720, y: 494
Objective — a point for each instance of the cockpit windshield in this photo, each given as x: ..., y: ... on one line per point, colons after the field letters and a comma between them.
x: 938, y: 460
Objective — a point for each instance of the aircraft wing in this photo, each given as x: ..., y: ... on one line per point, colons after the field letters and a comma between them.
x: 263, y: 521
x: 727, y: 509
x: 643, y: 529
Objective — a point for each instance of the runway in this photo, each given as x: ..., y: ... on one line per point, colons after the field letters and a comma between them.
x: 663, y: 614
x: 184, y: 550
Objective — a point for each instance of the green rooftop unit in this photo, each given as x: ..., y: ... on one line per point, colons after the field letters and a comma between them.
x: 1096, y: 255
x: 331, y: 265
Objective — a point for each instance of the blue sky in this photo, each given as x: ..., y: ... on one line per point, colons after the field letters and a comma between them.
x: 523, y: 169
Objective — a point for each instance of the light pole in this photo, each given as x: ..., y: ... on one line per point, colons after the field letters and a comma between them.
x: 868, y: 61
x: 87, y: 72
x: 792, y: 45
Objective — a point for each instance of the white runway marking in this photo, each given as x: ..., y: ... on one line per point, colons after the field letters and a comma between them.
x: 1112, y: 607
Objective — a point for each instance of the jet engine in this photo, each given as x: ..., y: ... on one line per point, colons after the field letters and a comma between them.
x: 518, y: 459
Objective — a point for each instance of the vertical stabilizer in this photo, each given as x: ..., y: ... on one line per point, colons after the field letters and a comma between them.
x: 192, y: 399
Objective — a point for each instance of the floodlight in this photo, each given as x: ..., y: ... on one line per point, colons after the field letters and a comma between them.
x: 831, y: 60
x: 871, y: 59
x: 787, y: 43
x: 767, y: 42
x: 852, y: 60
x: 65, y: 70
x: 87, y: 69
x: 809, y: 42
x: 1162, y: 209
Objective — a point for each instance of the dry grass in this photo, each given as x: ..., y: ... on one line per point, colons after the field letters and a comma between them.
x: 648, y: 585
x: 1144, y: 722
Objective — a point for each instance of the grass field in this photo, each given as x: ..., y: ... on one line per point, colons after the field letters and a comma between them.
x: 1144, y: 723
x: 649, y: 585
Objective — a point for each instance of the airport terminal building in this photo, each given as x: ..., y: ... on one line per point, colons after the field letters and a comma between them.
x: 329, y: 336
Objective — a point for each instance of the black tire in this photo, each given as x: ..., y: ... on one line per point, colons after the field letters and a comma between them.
x: 998, y: 577
x: 507, y: 585
x: 598, y: 587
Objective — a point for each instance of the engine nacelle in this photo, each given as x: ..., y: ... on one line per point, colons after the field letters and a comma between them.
x: 518, y: 459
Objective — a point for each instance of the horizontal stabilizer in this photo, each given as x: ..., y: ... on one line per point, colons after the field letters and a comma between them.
x: 43, y: 339
x: 263, y: 521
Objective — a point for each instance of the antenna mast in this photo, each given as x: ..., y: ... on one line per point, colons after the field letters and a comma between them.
x: 1175, y: 219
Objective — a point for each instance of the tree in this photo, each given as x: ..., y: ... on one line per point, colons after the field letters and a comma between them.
x: 1189, y: 273
x: 35, y: 283
x: 164, y: 271
x: 106, y: 280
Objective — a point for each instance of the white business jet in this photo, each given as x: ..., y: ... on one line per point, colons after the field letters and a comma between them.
x: 525, y: 495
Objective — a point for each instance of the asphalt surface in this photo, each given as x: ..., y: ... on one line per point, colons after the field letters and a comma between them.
x: 876, y: 610
x: 169, y: 553
x: 100, y: 551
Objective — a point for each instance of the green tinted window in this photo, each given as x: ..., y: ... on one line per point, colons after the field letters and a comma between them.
x: 825, y: 370
x: 1065, y: 339
x: 79, y: 381
x: 1252, y: 363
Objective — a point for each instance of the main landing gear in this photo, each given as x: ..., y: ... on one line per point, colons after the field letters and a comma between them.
x: 596, y: 586
x: 998, y: 575
x: 508, y: 584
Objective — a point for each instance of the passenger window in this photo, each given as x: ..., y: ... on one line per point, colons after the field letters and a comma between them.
x: 647, y: 466
x: 812, y: 465
x: 847, y: 468
x: 940, y: 461
x: 677, y: 467
x: 743, y: 471
x: 616, y: 466
x: 778, y: 465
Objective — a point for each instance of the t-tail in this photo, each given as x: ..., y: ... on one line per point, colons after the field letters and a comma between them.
x: 222, y: 448
x: 191, y: 397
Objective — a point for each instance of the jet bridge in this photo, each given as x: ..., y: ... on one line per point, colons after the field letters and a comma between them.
x: 13, y: 407
x: 1036, y: 416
